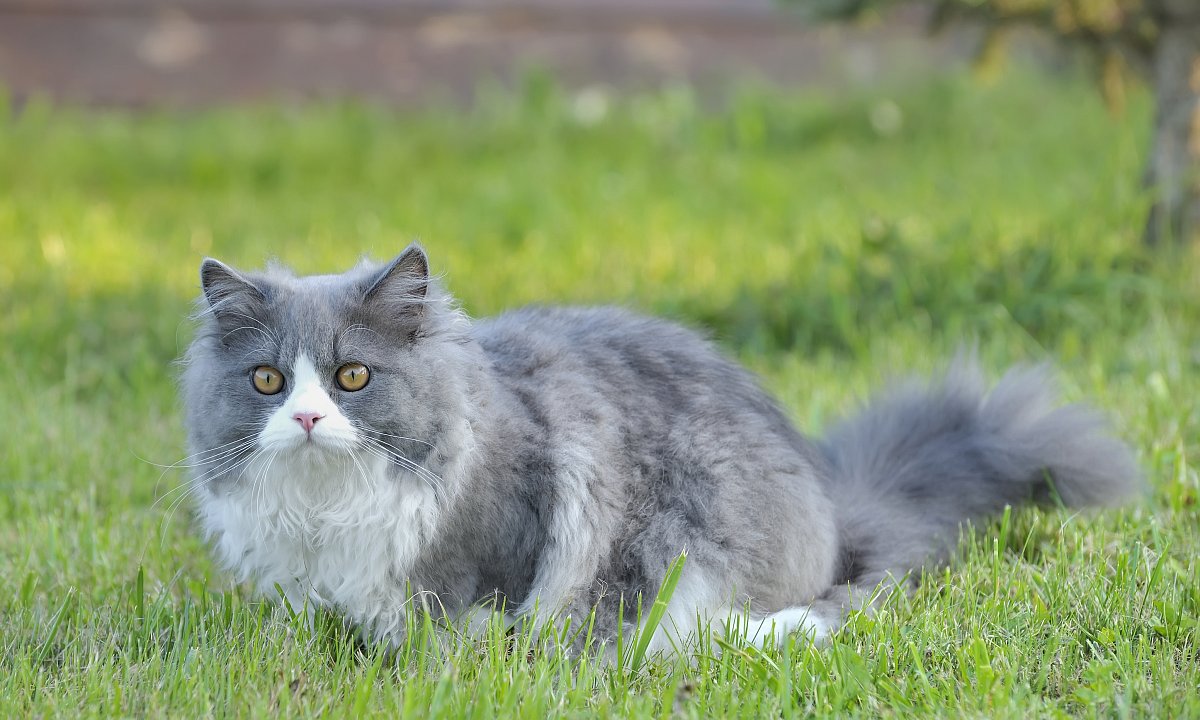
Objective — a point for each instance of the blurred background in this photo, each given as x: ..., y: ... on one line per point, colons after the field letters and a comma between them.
x: 151, y: 54
x: 413, y: 52
x: 884, y: 135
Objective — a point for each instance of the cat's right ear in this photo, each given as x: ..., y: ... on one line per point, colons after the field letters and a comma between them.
x: 398, y: 291
x: 224, y: 287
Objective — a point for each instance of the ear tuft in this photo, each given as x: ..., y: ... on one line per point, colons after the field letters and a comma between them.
x: 404, y: 280
x: 222, y: 285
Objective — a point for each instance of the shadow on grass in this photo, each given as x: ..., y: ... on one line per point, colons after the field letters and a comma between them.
x: 845, y: 295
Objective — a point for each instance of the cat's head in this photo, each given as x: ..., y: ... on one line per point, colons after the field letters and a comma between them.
x: 321, y: 367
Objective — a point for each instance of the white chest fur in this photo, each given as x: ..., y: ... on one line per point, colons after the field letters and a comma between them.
x: 336, y: 531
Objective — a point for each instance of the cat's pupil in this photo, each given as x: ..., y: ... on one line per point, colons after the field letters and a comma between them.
x: 352, y: 376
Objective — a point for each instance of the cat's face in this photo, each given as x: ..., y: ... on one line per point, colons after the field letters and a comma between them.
x: 318, y: 368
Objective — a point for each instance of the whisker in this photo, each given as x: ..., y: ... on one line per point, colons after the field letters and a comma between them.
x: 356, y: 327
x: 207, y: 456
x: 225, y: 465
x: 256, y: 352
x: 221, y: 466
x: 268, y: 331
x: 393, y: 455
x: 366, y: 476
x: 247, y: 327
x: 200, y: 457
x: 394, y: 452
x: 430, y: 481
x: 430, y: 445
x: 259, y: 484
x: 223, y: 455
x: 195, y: 484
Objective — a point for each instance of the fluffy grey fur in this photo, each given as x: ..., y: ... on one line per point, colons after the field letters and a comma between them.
x: 561, y: 458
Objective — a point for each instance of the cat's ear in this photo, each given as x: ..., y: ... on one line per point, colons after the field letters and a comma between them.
x: 402, y: 283
x: 223, y: 286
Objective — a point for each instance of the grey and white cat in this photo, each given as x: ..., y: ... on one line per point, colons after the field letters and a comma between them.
x: 357, y: 436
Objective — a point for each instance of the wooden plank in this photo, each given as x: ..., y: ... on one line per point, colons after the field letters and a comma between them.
x: 197, y: 52
x: 714, y: 16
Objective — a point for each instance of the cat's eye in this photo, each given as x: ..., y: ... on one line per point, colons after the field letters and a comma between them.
x: 267, y: 380
x: 353, y: 376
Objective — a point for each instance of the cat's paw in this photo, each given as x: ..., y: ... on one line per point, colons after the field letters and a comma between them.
x: 804, y: 620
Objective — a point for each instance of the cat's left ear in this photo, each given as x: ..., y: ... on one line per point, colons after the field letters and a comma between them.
x: 403, y: 282
x: 225, y: 286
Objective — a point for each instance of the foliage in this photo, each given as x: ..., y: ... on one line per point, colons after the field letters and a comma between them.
x: 1134, y: 21
x: 828, y: 250
x: 1119, y: 34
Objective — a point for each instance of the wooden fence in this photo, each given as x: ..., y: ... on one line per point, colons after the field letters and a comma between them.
x: 195, y: 52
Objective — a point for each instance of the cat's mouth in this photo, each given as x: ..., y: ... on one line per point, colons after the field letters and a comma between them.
x: 322, y: 446
x: 310, y: 445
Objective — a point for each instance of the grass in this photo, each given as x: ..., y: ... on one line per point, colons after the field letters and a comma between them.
x: 827, y: 251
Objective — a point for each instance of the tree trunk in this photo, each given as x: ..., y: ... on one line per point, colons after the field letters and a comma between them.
x: 1174, y: 165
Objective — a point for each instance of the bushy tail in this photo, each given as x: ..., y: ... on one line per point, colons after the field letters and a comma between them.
x: 918, y: 462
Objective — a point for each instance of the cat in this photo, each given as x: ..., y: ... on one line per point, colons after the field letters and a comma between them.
x: 361, y: 444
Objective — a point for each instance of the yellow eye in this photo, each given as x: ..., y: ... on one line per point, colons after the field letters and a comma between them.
x: 353, y: 376
x: 267, y: 380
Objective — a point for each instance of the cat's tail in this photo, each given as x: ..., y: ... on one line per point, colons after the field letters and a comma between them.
x: 918, y: 462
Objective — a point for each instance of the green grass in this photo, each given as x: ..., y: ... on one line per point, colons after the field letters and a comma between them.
x: 827, y: 255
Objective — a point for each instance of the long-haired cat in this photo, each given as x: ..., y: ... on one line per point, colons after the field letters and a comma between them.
x: 360, y: 440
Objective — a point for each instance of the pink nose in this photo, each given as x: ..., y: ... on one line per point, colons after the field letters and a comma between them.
x: 307, y: 420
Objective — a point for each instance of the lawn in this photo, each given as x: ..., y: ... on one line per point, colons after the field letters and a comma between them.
x: 830, y: 241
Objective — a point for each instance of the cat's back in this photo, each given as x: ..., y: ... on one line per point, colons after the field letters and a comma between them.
x: 620, y: 343
x: 647, y: 369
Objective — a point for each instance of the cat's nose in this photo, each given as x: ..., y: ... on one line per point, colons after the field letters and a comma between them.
x: 307, y: 420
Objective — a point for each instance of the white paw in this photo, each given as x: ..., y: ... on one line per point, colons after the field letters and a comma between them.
x: 779, y: 625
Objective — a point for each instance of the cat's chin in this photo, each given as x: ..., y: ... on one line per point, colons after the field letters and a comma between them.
x: 312, y: 448
x: 313, y: 463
